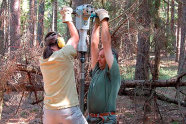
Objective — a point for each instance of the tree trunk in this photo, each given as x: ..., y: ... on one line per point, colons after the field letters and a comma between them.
x: 157, y: 39
x: 35, y: 24
x: 155, y: 83
x: 178, y: 33
x: 54, y: 15
x: 2, y: 28
x: 2, y: 50
x: 172, y: 26
x: 40, y: 27
x: 14, y: 24
x: 168, y: 12
x: 172, y: 15
x: 32, y: 21
x: 142, y: 61
x: 124, y: 84
x: 182, y: 58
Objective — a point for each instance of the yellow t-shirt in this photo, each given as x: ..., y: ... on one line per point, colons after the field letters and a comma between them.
x: 59, y: 80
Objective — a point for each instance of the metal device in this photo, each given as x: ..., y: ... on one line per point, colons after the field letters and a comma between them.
x: 83, y: 14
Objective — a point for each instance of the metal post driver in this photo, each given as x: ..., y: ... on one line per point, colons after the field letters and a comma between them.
x: 83, y: 14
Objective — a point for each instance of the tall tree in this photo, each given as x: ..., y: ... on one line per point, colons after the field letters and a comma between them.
x: 40, y: 27
x: 14, y: 24
x: 157, y: 35
x: 142, y: 61
x: 2, y: 27
x: 3, y: 6
x: 182, y: 58
x: 54, y: 15
x: 32, y: 21
x: 168, y: 2
x: 172, y: 25
x: 178, y: 32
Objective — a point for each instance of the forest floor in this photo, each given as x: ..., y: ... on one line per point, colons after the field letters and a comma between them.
x: 130, y: 109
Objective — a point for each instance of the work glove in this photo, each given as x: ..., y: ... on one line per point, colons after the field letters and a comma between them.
x: 66, y: 14
x: 102, y: 14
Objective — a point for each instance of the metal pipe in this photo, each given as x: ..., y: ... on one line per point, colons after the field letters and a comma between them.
x: 82, y: 81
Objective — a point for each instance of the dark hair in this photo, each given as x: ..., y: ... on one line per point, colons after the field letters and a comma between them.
x: 50, y: 40
x: 47, y: 52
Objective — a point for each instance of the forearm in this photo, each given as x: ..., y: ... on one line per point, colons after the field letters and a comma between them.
x: 106, y: 41
x: 105, y: 34
x: 73, y: 31
x: 94, y: 45
x: 95, y: 35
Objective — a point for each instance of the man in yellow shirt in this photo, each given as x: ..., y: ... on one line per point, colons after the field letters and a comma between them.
x: 60, y: 98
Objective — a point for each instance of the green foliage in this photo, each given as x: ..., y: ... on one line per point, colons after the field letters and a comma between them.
x: 170, y: 38
x: 175, y: 122
x: 113, y: 9
x: 35, y: 110
x: 24, y: 114
x: 48, y: 18
x: 165, y: 73
x: 128, y: 72
x: 24, y: 13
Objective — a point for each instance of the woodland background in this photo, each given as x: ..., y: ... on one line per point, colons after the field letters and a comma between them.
x: 149, y: 36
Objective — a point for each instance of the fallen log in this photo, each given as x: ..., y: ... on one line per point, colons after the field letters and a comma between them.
x: 21, y: 88
x: 131, y: 92
x: 150, y: 83
x: 170, y: 100
x: 124, y: 84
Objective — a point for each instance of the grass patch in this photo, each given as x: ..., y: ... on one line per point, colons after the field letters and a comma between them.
x: 175, y: 122
x: 165, y: 73
x: 127, y: 73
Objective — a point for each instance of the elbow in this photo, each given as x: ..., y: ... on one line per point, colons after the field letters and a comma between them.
x: 76, y: 38
x: 94, y: 43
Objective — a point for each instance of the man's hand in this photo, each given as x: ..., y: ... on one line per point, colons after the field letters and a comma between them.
x: 66, y: 14
x: 102, y: 14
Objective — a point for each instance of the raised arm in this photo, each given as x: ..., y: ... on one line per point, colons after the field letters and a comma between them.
x: 105, y: 36
x: 106, y: 41
x: 74, y: 39
x: 94, y: 45
x: 67, y: 18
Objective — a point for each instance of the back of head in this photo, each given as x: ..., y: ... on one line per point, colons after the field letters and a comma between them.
x: 50, y: 39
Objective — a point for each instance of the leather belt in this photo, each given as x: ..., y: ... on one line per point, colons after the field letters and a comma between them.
x: 100, y: 115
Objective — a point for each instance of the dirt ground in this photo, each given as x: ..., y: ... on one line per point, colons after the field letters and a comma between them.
x: 129, y: 111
